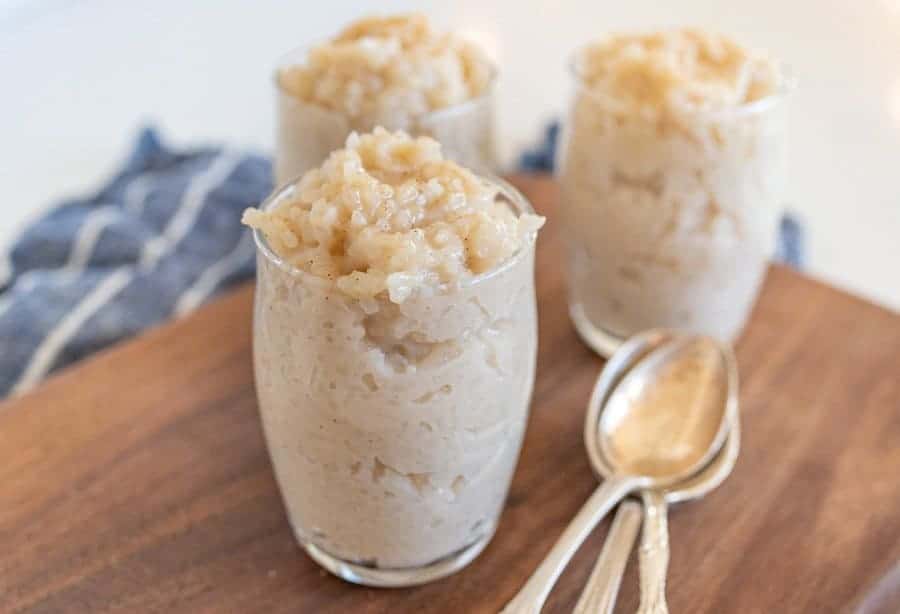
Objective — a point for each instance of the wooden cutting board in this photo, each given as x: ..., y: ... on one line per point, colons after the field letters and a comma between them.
x: 138, y: 481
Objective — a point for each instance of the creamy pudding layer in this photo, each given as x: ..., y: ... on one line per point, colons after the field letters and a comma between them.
x: 673, y: 163
x: 394, y: 350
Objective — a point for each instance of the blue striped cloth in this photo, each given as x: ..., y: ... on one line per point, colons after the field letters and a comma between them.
x: 155, y: 242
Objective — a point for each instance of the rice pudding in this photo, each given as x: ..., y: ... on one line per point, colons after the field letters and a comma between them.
x: 397, y: 72
x: 394, y: 348
x: 671, y: 169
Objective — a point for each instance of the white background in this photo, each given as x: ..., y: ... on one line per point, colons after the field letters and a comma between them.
x: 77, y: 78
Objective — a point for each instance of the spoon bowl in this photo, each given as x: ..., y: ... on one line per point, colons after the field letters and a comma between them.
x: 624, y: 429
x: 715, y: 471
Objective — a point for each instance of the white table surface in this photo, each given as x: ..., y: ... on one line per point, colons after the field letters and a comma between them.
x: 80, y: 76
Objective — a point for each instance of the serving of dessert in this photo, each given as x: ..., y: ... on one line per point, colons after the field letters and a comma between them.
x: 395, y: 72
x: 671, y: 170
x: 394, y: 348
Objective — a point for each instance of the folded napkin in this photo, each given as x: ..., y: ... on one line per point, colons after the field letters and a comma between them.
x: 155, y: 242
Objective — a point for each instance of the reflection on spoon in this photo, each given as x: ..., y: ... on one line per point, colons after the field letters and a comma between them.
x: 662, y: 416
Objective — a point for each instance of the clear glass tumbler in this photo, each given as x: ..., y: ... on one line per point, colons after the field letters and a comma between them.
x: 394, y: 429
x: 306, y: 133
x: 669, y: 220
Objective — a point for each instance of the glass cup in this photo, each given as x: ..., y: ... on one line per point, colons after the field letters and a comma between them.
x: 394, y: 429
x: 669, y: 221
x: 306, y: 133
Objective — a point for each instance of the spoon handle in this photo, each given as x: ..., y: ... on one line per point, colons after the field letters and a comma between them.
x: 654, y: 554
x: 602, y: 588
x: 532, y: 596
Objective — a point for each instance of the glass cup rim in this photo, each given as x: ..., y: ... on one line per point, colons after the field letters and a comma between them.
x: 787, y: 83
x: 295, y: 56
x: 520, y: 204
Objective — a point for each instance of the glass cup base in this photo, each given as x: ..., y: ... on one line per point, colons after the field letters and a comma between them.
x: 397, y: 577
x: 601, y: 341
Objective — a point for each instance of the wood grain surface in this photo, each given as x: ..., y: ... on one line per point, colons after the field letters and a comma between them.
x: 138, y: 481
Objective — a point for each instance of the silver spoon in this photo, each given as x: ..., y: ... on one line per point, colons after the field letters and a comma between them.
x: 642, y: 449
x: 600, y: 592
x: 711, y: 373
